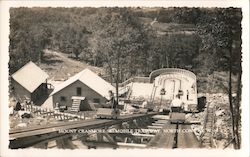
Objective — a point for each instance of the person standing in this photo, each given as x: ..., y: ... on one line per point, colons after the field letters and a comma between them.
x: 177, y: 104
x: 112, y: 100
x: 144, y: 104
x: 18, y: 106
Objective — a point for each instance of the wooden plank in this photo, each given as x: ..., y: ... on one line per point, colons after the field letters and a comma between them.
x: 161, y: 117
x: 154, y: 127
x: 157, y: 124
x: 79, y: 144
x: 95, y: 144
x: 143, y: 135
x: 161, y: 122
x: 192, y: 122
x: 131, y: 145
x: 12, y: 131
x: 17, y: 130
x: 51, y: 144
x: 187, y: 139
x: 163, y: 139
x: 91, y: 124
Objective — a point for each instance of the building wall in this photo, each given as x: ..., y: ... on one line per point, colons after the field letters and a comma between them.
x: 19, y: 91
x: 40, y: 92
x: 71, y: 90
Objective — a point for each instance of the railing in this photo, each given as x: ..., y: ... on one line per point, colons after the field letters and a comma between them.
x: 39, y: 111
x: 135, y: 79
x: 153, y: 93
x: 157, y: 72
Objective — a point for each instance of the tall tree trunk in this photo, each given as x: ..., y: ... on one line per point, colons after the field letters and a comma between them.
x: 237, y: 109
x: 230, y: 96
x: 110, y: 73
x: 117, y: 77
x: 110, y: 69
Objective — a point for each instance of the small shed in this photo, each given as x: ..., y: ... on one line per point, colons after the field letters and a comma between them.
x: 29, y: 82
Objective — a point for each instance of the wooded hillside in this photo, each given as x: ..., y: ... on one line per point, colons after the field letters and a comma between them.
x: 135, y: 40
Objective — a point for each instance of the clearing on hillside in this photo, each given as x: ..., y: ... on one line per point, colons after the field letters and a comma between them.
x: 60, y: 67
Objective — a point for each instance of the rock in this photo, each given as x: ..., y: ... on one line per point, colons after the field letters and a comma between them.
x: 219, y: 112
x: 52, y: 119
x: 39, y: 118
x: 219, y: 122
x: 198, y: 130
x: 24, y: 114
x: 20, y: 113
x: 22, y: 125
x: 43, y: 122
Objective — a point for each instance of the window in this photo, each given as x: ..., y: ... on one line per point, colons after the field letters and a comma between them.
x: 96, y: 100
x: 63, y: 98
x: 78, y: 91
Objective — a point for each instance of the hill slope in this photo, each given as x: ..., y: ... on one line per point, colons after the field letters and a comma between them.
x: 60, y: 67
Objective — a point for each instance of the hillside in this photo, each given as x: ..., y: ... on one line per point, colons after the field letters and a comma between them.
x: 59, y: 66
x: 134, y: 41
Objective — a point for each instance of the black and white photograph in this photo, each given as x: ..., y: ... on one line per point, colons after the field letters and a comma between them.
x: 125, y: 78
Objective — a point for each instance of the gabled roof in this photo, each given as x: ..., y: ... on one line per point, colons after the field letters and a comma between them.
x: 90, y: 79
x: 30, y: 76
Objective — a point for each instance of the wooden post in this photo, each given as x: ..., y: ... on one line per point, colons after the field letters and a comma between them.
x: 50, y: 112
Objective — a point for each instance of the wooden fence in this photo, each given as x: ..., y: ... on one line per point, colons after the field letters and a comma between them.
x: 39, y: 111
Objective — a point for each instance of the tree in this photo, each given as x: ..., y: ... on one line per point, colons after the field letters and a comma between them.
x: 119, y: 39
x: 220, y: 30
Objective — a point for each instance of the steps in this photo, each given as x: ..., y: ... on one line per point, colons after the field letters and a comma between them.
x: 75, y: 105
x: 207, y: 136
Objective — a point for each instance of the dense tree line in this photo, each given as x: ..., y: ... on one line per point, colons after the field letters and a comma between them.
x: 82, y: 32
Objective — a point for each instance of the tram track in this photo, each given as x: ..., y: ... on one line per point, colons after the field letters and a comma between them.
x: 174, y: 136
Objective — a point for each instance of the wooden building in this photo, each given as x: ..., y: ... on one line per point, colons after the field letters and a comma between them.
x: 29, y: 82
x: 86, y: 85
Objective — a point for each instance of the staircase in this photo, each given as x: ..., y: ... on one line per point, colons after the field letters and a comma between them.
x: 75, y: 105
x: 208, y: 134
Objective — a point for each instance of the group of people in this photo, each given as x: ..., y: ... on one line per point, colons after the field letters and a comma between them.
x: 177, y: 104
